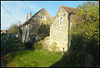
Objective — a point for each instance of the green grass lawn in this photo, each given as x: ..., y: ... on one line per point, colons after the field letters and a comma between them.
x: 32, y: 58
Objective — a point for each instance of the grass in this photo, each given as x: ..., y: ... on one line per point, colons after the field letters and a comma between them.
x: 27, y: 58
x: 32, y: 58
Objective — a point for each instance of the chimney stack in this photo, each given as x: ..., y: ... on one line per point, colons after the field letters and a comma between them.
x: 27, y: 17
x: 20, y: 23
x: 30, y: 14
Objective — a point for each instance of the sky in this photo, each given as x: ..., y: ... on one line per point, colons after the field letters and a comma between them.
x: 19, y: 10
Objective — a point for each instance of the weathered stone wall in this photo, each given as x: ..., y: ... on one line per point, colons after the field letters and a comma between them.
x: 33, y: 24
x: 59, y: 33
x: 58, y: 38
x: 36, y: 21
x: 28, y: 32
x: 23, y: 34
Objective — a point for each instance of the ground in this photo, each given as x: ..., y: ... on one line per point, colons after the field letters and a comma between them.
x: 14, y: 56
x: 32, y: 58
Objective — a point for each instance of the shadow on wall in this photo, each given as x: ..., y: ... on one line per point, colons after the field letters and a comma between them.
x: 82, y: 53
x: 20, y: 34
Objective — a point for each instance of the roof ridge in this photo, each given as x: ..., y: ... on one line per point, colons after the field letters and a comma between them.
x: 68, y: 9
x: 66, y: 6
x: 32, y: 17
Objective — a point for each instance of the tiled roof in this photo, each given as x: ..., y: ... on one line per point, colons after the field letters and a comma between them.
x: 69, y: 9
x: 53, y: 17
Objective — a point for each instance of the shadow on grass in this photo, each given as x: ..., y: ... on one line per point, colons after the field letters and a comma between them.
x: 60, y: 63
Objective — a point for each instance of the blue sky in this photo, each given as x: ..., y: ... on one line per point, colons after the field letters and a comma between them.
x: 19, y: 11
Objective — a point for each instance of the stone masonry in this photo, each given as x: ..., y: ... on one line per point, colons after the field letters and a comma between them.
x: 28, y: 28
x: 59, y: 30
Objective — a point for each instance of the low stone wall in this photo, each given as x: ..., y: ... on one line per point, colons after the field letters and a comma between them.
x: 50, y: 45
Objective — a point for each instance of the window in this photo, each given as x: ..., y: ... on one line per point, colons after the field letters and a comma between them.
x: 43, y: 17
x: 52, y: 25
x: 60, y: 20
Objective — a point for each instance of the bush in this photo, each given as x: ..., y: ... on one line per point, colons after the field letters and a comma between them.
x: 38, y: 46
x: 9, y: 46
x: 59, y: 53
x: 84, y: 36
x: 79, y: 50
x: 28, y: 45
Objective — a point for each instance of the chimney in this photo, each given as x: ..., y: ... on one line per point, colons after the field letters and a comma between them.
x: 27, y: 17
x: 20, y: 23
x: 30, y: 14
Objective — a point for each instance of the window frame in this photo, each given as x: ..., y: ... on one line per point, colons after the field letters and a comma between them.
x: 43, y: 17
x: 60, y: 21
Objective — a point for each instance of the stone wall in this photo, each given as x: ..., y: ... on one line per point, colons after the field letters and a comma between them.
x: 23, y: 34
x: 34, y: 23
x: 59, y: 33
x: 58, y: 39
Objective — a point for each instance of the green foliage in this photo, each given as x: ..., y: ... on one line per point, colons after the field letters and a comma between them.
x: 40, y: 30
x: 43, y: 31
x: 13, y: 29
x: 87, y: 21
x: 10, y: 46
x: 38, y: 46
x: 28, y: 45
x: 88, y: 26
x: 54, y: 47
x: 84, y: 35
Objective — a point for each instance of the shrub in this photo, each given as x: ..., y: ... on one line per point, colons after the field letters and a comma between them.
x: 38, y: 46
x: 54, y: 47
x: 28, y: 45
x: 45, y: 47
x: 59, y: 53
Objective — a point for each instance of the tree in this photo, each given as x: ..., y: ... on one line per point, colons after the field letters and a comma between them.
x: 39, y: 30
x: 84, y: 35
x: 43, y: 31
x: 87, y: 20
x: 13, y: 29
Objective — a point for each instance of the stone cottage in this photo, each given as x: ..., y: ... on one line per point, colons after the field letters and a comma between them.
x: 59, y: 38
x: 29, y: 28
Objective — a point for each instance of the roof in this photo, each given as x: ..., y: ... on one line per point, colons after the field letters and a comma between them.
x: 69, y: 9
x: 53, y: 17
x: 30, y: 18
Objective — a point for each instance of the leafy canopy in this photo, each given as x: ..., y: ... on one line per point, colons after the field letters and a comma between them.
x: 87, y: 20
x: 13, y: 29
